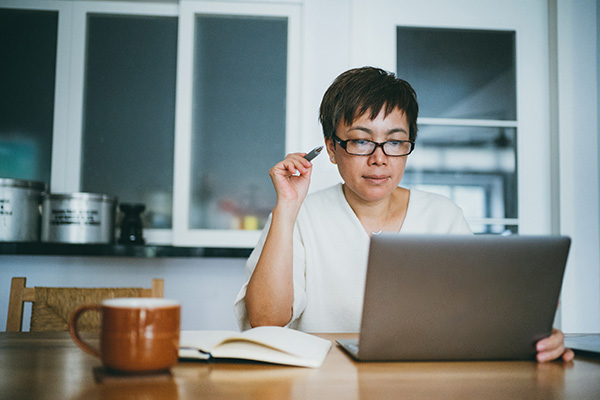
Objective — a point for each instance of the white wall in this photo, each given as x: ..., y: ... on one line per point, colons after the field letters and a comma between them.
x: 206, y: 287
x: 325, y: 54
x: 578, y: 161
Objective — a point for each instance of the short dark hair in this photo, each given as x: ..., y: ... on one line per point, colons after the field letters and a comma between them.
x: 367, y: 89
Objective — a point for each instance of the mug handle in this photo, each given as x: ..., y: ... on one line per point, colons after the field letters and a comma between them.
x: 73, y: 328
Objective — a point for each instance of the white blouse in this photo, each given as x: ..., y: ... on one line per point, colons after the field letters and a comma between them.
x: 330, y: 256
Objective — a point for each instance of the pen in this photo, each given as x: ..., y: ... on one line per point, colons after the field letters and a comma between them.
x: 313, y: 153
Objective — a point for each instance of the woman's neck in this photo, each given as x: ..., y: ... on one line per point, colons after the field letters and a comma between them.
x: 383, y: 215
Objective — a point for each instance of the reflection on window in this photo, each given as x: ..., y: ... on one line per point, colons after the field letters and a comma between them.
x: 463, y: 77
x: 473, y: 166
x: 459, y: 73
x: 129, y: 111
x: 238, y: 119
x: 27, y: 79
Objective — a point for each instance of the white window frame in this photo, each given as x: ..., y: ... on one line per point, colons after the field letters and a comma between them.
x: 374, y: 43
x: 60, y: 145
x: 576, y: 118
x: 66, y: 173
x: 182, y: 234
x: 70, y: 84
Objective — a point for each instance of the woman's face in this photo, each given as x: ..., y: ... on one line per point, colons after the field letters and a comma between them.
x: 371, y: 178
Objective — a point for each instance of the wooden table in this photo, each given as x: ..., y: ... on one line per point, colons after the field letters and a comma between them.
x: 50, y: 366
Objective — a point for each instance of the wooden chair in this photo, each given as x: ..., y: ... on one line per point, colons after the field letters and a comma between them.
x: 52, y: 306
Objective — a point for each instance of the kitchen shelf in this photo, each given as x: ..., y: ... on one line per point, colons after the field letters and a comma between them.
x: 117, y: 250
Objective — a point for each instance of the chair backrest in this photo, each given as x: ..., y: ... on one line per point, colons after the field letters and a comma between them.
x: 52, y: 306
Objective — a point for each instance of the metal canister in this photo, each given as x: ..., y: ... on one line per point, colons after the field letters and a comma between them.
x: 78, y: 218
x: 20, y: 202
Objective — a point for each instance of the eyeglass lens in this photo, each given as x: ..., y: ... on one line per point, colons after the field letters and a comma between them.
x: 391, y: 148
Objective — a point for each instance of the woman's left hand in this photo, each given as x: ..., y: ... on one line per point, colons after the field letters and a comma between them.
x: 553, y: 347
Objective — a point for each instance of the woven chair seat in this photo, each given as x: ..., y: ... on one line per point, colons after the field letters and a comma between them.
x: 53, y: 306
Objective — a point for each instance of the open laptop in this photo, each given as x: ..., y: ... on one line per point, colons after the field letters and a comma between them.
x: 458, y: 297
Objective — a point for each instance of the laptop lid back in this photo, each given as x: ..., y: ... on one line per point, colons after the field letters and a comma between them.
x: 460, y: 297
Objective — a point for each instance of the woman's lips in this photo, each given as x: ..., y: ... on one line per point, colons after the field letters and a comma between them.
x: 376, y: 178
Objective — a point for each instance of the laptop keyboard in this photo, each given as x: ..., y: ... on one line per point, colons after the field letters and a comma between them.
x: 350, y: 345
x: 353, y: 347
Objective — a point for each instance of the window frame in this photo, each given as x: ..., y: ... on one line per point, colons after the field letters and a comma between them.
x: 70, y: 85
x: 60, y: 146
x: 373, y: 41
x: 182, y: 234
x: 70, y: 169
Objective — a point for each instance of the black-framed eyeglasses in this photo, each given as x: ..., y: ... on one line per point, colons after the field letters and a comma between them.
x: 363, y: 147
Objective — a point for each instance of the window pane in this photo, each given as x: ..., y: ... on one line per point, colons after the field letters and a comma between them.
x: 238, y: 119
x: 495, y: 229
x: 459, y: 73
x: 474, y: 166
x: 129, y: 111
x: 27, y: 79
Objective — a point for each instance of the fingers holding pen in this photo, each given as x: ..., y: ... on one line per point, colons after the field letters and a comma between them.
x: 293, y: 164
x: 297, y: 163
x: 291, y: 177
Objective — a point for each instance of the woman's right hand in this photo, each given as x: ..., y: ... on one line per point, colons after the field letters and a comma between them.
x: 291, y: 178
x: 270, y: 292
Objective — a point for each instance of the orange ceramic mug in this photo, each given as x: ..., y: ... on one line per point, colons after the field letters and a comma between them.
x: 136, y: 334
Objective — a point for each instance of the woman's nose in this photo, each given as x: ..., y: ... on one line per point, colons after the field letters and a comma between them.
x: 378, y: 157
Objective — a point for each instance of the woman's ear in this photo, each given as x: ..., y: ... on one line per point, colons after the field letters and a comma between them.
x: 329, y: 143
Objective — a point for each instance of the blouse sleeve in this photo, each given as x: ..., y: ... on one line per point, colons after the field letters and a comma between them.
x: 430, y: 213
x: 299, y: 280
x: 239, y: 306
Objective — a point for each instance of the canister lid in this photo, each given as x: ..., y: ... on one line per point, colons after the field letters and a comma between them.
x: 103, y: 198
x: 21, y: 183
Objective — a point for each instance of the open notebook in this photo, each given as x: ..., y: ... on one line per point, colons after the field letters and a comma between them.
x: 271, y: 344
x: 459, y: 297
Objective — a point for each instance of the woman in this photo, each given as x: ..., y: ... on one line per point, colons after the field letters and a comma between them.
x: 308, y: 269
